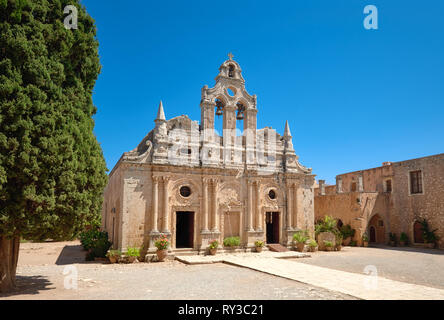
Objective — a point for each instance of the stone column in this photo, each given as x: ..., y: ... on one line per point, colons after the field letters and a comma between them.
x: 205, y: 206
x: 155, y: 203
x: 296, y: 206
x: 258, y: 207
x: 322, y: 187
x: 289, y: 206
x: 166, y: 212
x: 250, y: 206
x: 215, y: 221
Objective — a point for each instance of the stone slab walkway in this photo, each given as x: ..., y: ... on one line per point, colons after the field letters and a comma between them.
x: 368, y: 287
x: 225, y: 257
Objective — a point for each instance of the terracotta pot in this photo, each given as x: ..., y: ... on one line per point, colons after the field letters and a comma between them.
x: 213, y: 251
x: 161, y: 255
x: 312, y: 249
x: 112, y: 259
x: 338, y: 248
x: 328, y: 248
x: 346, y: 241
x: 402, y: 243
x: 365, y: 243
x: 258, y: 249
x: 300, y: 246
x: 430, y: 245
x: 131, y: 259
x: 392, y: 243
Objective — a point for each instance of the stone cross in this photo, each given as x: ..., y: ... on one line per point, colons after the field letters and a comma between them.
x: 230, y: 55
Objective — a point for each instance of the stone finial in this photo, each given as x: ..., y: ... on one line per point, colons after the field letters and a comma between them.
x: 160, y: 112
x: 322, y: 187
x: 287, y: 132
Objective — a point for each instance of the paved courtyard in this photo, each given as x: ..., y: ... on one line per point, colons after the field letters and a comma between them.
x: 412, y: 265
x: 404, y: 273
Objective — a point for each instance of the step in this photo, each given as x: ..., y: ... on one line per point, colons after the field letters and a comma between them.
x: 276, y: 247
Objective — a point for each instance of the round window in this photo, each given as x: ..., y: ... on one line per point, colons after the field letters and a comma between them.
x: 272, y: 194
x: 185, y: 191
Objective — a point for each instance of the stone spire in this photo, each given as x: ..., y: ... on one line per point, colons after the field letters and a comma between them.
x: 288, y: 139
x: 160, y: 112
x: 287, y: 133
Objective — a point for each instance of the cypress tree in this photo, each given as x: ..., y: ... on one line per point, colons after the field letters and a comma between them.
x: 52, y: 170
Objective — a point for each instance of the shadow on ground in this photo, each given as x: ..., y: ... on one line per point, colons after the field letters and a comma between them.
x: 408, y: 249
x: 71, y: 254
x: 29, y: 285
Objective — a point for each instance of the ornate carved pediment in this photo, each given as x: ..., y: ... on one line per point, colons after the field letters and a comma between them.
x: 229, y: 197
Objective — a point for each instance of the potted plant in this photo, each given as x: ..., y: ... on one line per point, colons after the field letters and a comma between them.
x: 429, y: 236
x: 259, y: 244
x: 328, y: 245
x: 347, y: 234
x: 353, y: 243
x: 113, y: 255
x: 232, y: 242
x: 392, y: 238
x: 312, y: 245
x: 162, y: 244
x: 299, y: 239
x: 365, y: 239
x: 132, y: 254
x: 214, y: 244
x: 403, y: 239
x: 339, y: 238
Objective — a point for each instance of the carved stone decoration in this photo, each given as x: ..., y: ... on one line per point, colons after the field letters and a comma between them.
x: 229, y: 198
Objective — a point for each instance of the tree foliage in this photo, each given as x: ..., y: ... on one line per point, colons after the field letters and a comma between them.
x: 52, y: 170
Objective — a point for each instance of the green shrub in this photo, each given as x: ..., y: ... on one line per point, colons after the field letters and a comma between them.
x: 328, y: 224
x: 232, y: 242
x: 213, y: 244
x: 392, y: 237
x: 132, y: 252
x: 428, y: 235
x: 258, y: 243
x: 365, y: 237
x: 312, y: 243
x: 113, y: 253
x: 328, y: 243
x: 96, y: 242
x: 403, y: 237
x: 162, y: 243
x: 353, y: 243
x: 300, y: 237
x: 347, y: 231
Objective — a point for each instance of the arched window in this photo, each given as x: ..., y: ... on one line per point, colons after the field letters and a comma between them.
x: 231, y: 71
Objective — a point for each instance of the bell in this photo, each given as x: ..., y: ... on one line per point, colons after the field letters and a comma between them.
x: 240, y: 115
x: 219, y: 111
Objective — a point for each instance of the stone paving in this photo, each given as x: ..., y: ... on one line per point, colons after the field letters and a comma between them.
x: 358, y: 285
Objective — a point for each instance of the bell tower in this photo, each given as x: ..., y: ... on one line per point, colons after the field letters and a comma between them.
x: 229, y: 99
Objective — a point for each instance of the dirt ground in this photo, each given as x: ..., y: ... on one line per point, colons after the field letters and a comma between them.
x: 46, y: 271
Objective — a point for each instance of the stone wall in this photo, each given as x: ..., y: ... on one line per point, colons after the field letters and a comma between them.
x: 429, y: 204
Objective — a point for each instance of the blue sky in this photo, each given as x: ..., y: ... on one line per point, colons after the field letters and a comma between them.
x: 353, y: 97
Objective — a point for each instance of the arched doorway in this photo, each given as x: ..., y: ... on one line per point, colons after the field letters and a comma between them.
x: 372, y: 234
x: 376, y: 229
x: 417, y: 232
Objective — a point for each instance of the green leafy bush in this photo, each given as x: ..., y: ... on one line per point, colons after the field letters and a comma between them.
x: 113, y: 253
x: 347, y: 231
x: 96, y: 242
x: 132, y: 252
x: 353, y: 243
x: 328, y: 224
x: 392, y: 237
x: 428, y: 235
x: 328, y: 243
x: 162, y: 243
x: 300, y: 237
x: 312, y: 243
x: 258, y: 243
x: 365, y: 237
x: 403, y: 237
x: 232, y: 242
x: 213, y: 244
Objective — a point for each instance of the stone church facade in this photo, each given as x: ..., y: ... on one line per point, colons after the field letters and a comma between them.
x: 194, y: 185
